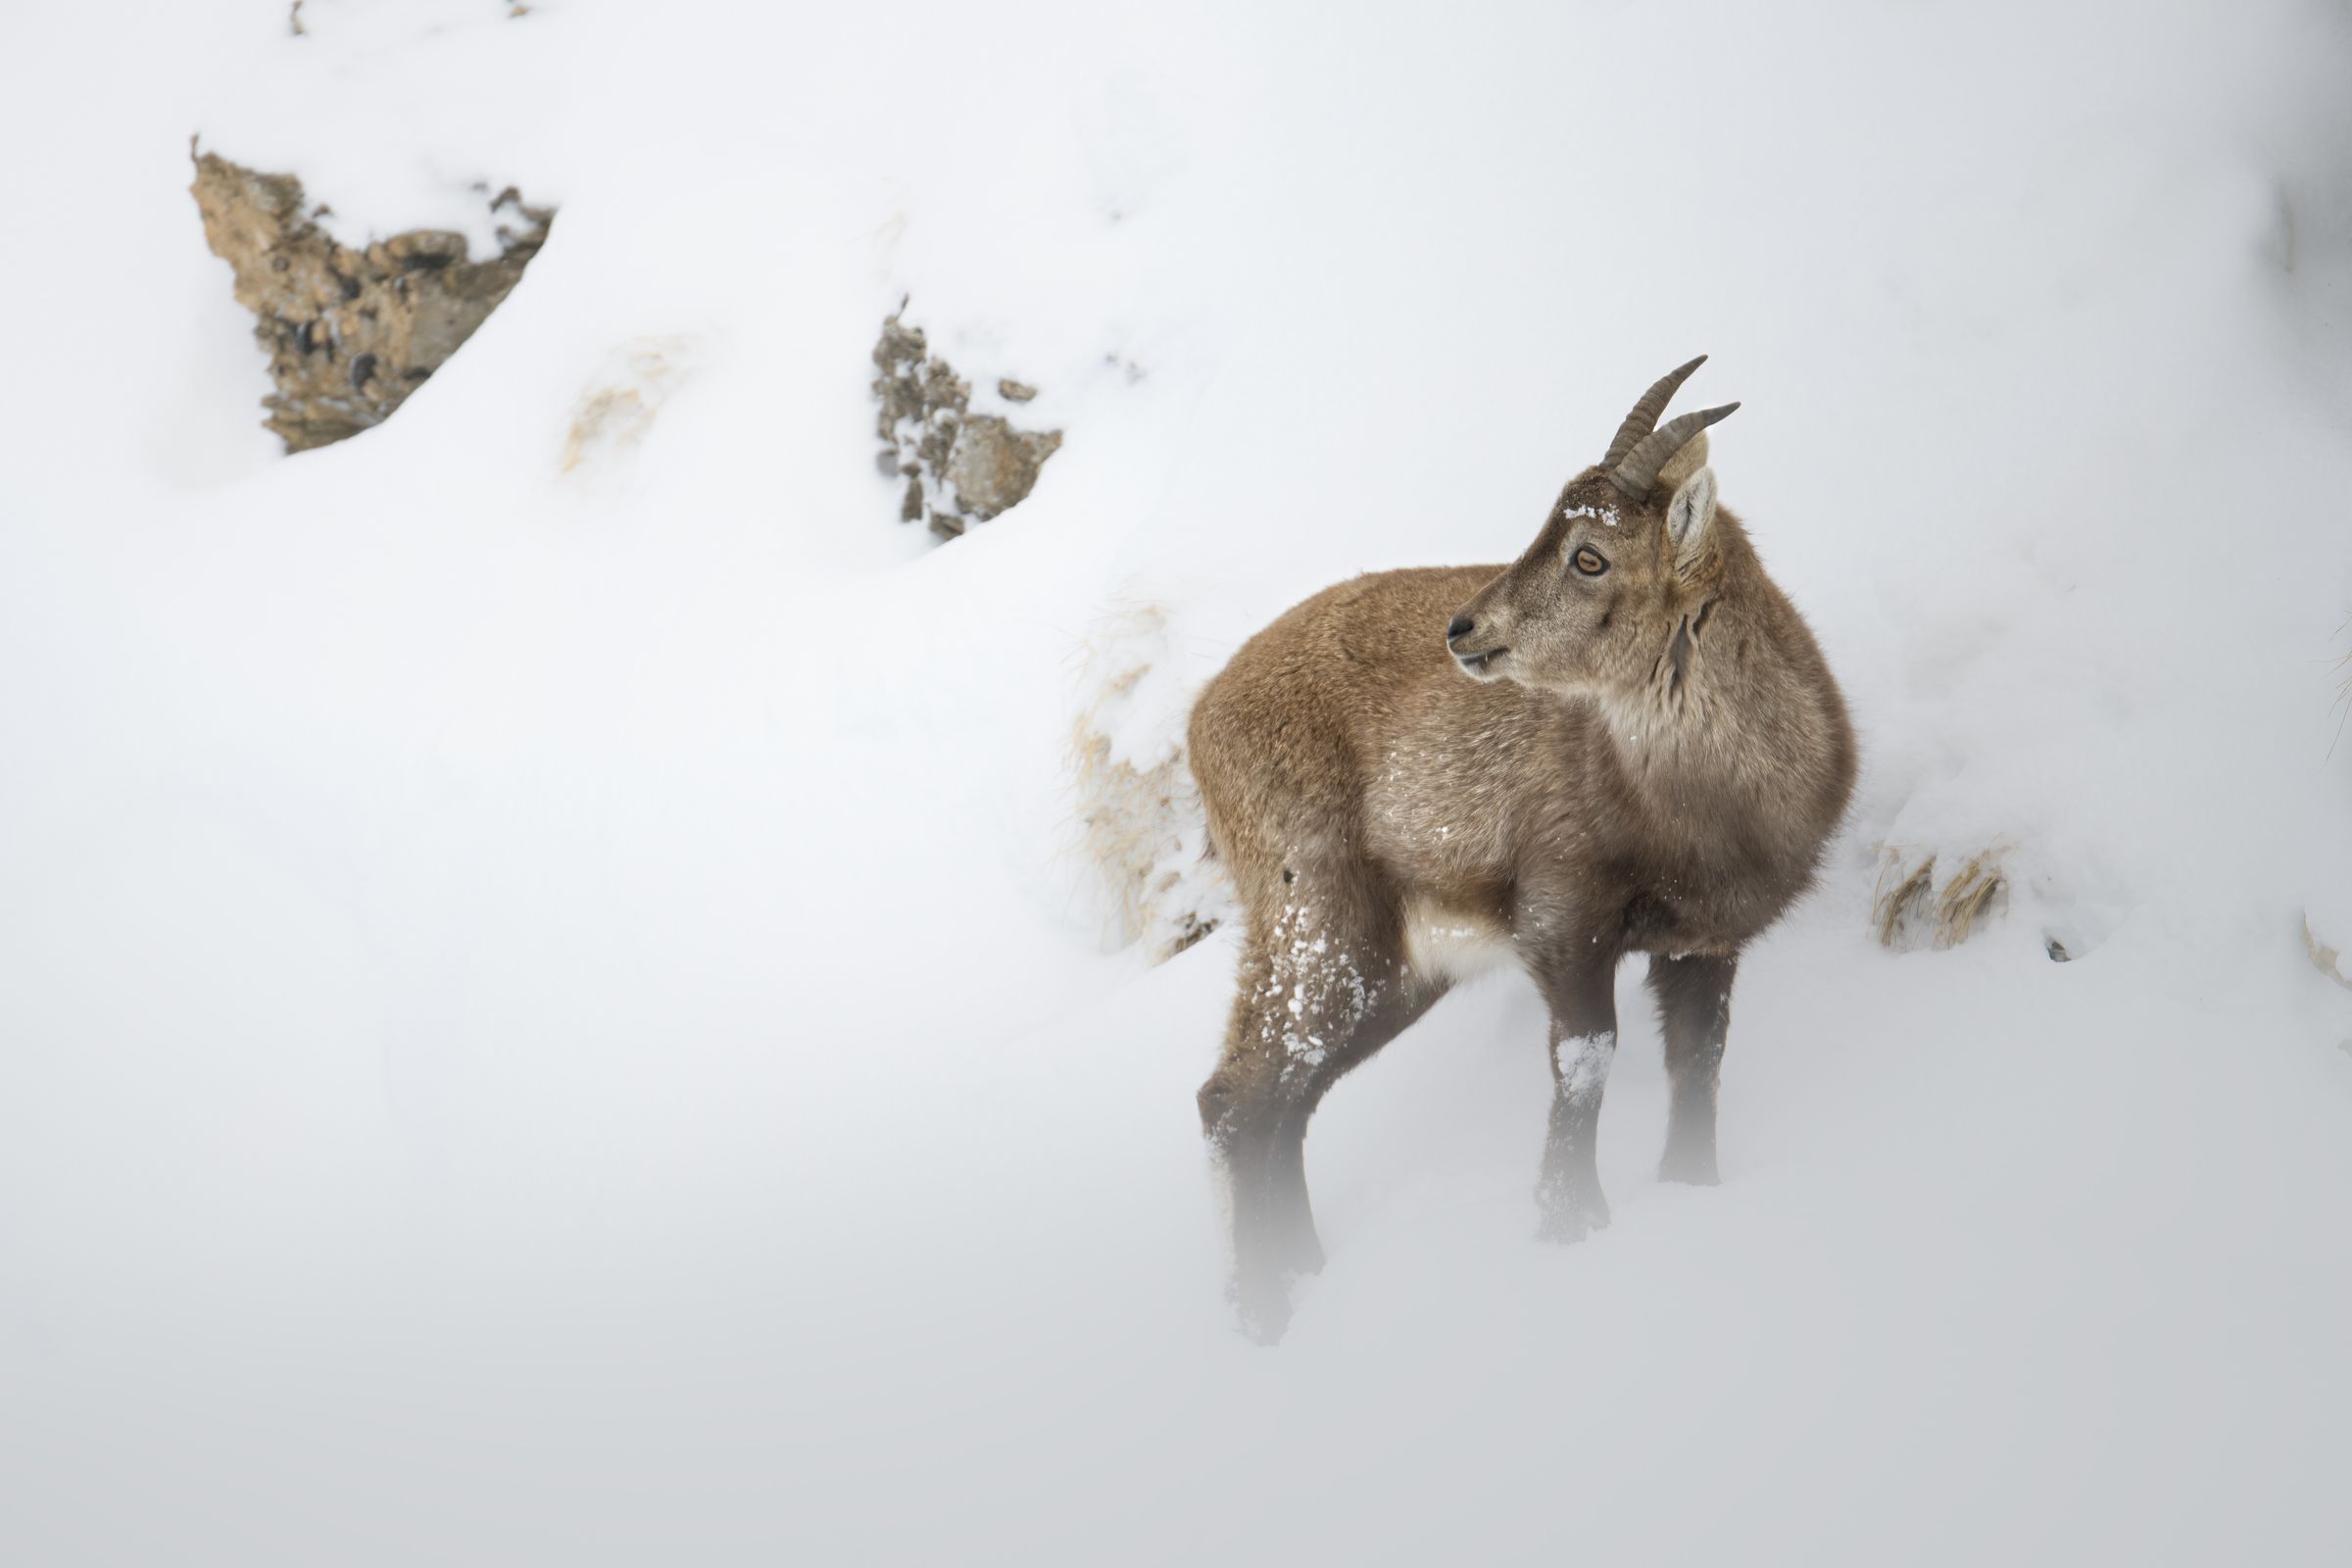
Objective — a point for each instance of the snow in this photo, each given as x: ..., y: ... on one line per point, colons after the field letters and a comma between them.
x: 551, y: 1013
x: 1585, y: 1065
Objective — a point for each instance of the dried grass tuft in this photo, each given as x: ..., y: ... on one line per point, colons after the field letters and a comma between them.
x: 2343, y: 693
x: 616, y: 409
x: 1898, y: 910
x: 1978, y: 887
x: 1909, y: 910
x: 2329, y: 960
x: 1139, y: 829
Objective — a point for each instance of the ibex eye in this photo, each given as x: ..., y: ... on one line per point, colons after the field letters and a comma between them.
x: 1588, y: 560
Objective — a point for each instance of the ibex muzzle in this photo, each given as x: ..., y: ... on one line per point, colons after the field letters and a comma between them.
x: 1647, y: 757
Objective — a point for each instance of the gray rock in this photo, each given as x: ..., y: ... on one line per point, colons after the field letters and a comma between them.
x: 994, y: 466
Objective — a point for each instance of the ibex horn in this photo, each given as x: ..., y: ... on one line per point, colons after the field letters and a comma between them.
x: 1644, y: 418
x: 1636, y: 477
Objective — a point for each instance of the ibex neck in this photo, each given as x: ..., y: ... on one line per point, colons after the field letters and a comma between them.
x: 1739, y: 715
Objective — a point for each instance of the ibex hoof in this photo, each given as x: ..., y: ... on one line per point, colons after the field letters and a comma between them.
x: 1262, y: 1307
x: 1573, y: 1221
x: 1689, y: 1164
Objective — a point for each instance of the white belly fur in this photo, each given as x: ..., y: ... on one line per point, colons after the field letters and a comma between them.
x: 1448, y: 945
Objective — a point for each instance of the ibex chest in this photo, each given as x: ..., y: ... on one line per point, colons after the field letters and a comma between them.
x: 1477, y: 879
x: 1693, y: 886
x: 1524, y: 824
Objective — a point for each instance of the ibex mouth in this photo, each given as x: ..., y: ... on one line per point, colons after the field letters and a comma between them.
x: 1478, y: 663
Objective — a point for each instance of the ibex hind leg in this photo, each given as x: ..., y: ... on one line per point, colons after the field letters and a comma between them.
x: 1694, y: 1012
x: 1321, y: 990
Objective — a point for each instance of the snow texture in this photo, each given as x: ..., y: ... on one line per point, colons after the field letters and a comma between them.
x: 546, y: 1010
x: 1585, y: 1066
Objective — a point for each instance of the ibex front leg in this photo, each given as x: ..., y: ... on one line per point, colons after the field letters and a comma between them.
x: 1694, y: 1008
x: 1580, y: 993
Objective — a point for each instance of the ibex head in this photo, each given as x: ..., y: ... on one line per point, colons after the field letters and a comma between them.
x: 1594, y: 600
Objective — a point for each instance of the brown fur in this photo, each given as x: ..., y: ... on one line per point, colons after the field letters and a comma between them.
x: 1651, y: 763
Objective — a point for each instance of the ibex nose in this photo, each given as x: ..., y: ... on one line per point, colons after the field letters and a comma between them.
x: 1459, y: 627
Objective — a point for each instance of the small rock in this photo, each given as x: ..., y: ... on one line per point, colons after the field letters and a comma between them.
x: 1012, y: 391
x: 994, y: 466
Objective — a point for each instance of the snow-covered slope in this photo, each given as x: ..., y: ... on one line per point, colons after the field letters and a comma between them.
x: 559, y: 1016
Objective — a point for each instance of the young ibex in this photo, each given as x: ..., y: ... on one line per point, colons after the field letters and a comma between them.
x: 1625, y: 742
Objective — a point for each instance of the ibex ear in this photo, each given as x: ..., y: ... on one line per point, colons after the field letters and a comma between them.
x: 1690, y: 512
x: 1684, y: 464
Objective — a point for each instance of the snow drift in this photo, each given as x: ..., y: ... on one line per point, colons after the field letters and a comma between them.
x: 560, y: 1008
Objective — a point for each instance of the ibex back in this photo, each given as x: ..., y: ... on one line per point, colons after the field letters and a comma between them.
x: 1627, y: 741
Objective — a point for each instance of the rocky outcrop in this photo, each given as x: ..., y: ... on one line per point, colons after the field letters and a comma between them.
x: 960, y: 467
x: 350, y: 334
